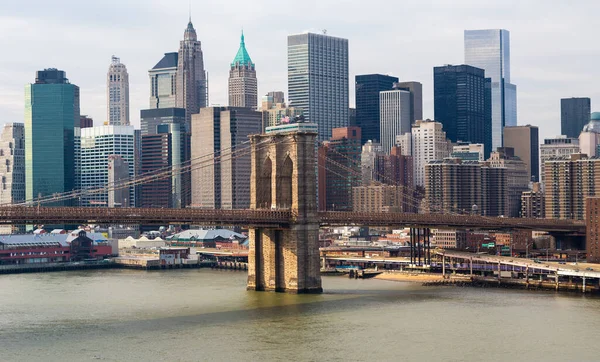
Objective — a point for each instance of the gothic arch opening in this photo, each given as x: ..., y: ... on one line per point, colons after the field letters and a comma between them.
x: 284, y: 184
x: 263, y: 186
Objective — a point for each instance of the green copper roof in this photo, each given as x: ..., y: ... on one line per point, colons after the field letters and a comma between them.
x: 242, y: 57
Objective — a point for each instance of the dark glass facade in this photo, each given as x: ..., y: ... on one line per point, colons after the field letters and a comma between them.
x: 343, y: 154
x: 459, y: 93
x: 151, y: 118
x: 574, y: 115
x: 368, y: 87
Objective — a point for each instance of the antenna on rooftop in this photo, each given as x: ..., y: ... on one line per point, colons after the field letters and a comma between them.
x: 324, y: 31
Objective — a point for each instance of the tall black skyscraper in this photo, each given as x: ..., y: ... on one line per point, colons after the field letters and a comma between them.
x: 574, y: 114
x: 368, y: 87
x: 459, y: 94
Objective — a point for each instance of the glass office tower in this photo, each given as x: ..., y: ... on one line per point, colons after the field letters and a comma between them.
x: 367, y: 87
x: 318, y: 80
x: 490, y: 50
x: 51, y: 113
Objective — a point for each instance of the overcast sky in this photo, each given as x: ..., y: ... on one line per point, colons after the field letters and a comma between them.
x: 554, y: 45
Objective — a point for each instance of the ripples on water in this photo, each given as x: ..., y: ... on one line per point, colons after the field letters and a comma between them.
x: 191, y: 315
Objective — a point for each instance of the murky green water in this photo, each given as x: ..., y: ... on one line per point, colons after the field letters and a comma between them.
x: 206, y: 315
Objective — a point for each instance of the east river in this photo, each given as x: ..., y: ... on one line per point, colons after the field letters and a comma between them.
x: 207, y: 315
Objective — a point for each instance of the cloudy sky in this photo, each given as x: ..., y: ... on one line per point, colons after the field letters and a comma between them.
x: 554, y: 48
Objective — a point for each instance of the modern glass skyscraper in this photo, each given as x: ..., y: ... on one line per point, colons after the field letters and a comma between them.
x: 490, y: 50
x: 367, y: 88
x: 97, y: 144
x: 318, y: 80
x: 459, y: 103
x: 51, y: 113
x: 163, y: 82
x: 574, y: 115
x: 117, y: 93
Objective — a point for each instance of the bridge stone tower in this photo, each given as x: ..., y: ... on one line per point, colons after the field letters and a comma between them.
x: 284, y: 177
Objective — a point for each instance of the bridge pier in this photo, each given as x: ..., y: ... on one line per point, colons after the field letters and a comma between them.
x: 283, y: 177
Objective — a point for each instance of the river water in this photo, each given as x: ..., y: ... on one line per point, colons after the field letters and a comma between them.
x: 207, y: 315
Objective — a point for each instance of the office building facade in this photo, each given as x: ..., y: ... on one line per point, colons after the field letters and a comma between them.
x: 342, y: 168
x: 574, y: 115
x: 589, y: 139
x: 395, y: 119
x: 526, y: 143
x: 459, y: 103
x: 416, y: 98
x: 429, y: 143
x: 489, y: 50
x: 367, y: 89
x: 163, y: 82
x: 118, y: 173
x: 150, y: 119
x: 517, y: 177
x: 51, y: 113
x: 318, y: 80
x: 12, y: 159
x: 243, y: 86
x: 117, y: 93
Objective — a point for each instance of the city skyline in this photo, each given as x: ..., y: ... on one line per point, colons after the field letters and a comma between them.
x: 543, y: 71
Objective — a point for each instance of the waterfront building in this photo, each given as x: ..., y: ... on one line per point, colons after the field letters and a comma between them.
x: 51, y: 113
x: 429, y: 143
x: 118, y: 173
x: 12, y: 174
x: 525, y: 141
x: 592, y: 239
x: 517, y: 177
x: 449, y: 238
x: 395, y: 119
x: 97, y: 145
x: 117, y: 93
x: 342, y: 168
x: 558, y: 148
x: 589, y: 139
x: 416, y: 98
x: 243, y: 86
x: 489, y: 50
x: 574, y: 115
x: 459, y: 104
x: 367, y: 89
x: 85, y: 121
x: 456, y: 186
x: 318, y: 80
x: 192, y: 81
x: 468, y: 151
x: 163, y: 82
x: 568, y: 183
x: 150, y: 119
x: 223, y: 131
x: 532, y: 202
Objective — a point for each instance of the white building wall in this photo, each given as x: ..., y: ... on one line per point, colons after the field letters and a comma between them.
x: 394, y: 109
x: 429, y: 143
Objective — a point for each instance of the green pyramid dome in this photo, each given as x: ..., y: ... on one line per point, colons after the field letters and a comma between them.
x: 242, y: 57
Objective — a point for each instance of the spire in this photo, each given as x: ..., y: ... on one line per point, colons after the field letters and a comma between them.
x: 190, y: 32
x: 242, y: 57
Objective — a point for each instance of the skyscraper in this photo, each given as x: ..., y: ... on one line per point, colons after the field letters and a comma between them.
x: 429, y: 143
x: 367, y: 88
x: 163, y: 82
x: 117, y: 93
x: 416, y: 98
x: 243, y: 86
x: 490, y: 50
x: 318, y: 80
x: 342, y: 171
x: 12, y: 156
x: 192, y: 82
x: 574, y: 114
x: 395, y: 119
x: 459, y: 103
x: 558, y: 148
x: 51, y: 113
x: 525, y: 141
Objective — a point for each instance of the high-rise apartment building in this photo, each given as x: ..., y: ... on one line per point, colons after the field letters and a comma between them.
x: 51, y: 114
x: 459, y: 104
x: 243, y: 86
x: 342, y: 168
x: 589, y: 139
x: 429, y: 143
x: 377, y: 197
x: 574, y: 114
x: 192, y: 81
x: 367, y: 89
x: 490, y: 50
x: 12, y: 172
x: 517, y: 177
x: 274, y: 113
x: 163, y: 82
x: 525, y: 141
x: 532, y: 202
x: 568, y: 184
x: 97, y: 144
x: 456, y: 186
x: 222, y: 133
x: 468, y: 152
x: 318, y: 80
x: 395, y: 119
x: 117, y: 93
x: 416, y: 98
x: 592, y: 238
x: 118, y: 173
x: 558, y: 148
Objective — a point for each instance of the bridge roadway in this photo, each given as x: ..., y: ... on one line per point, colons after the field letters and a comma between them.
x: 271, y: 218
